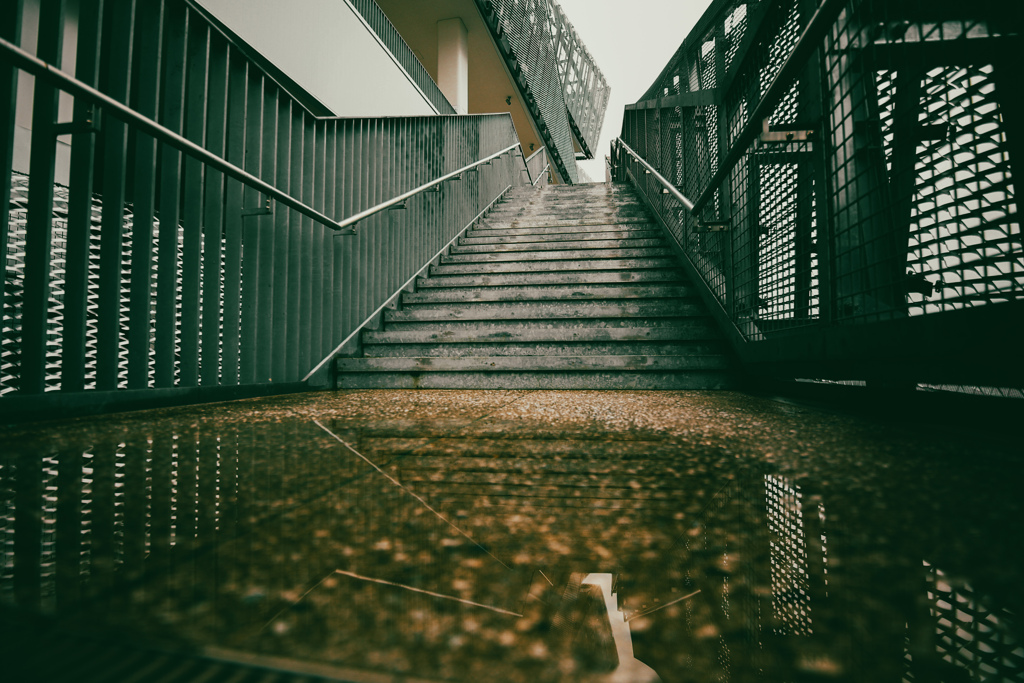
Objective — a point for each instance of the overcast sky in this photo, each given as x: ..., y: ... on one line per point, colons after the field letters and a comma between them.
x: 631, y: 42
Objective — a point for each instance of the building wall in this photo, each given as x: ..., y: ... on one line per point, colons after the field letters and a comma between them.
x: 327, y: 49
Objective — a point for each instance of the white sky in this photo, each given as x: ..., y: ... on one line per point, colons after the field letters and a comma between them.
x: 631, y: 43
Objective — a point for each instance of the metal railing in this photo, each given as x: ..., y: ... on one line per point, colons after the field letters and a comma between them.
x: 394, y: 42
x: 565, y: 91
x: 539, y: 166
x: 141, y: 250
x: 851, y: 166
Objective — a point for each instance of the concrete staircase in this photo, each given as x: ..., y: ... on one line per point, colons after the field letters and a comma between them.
x: 557, y: 288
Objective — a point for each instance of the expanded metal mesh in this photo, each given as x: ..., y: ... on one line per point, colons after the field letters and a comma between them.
x: 565, y: 90
x: 877, y: 184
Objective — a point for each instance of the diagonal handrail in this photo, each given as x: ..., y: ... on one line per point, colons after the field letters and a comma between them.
x: 540, y: 175
x: 672, y: 189
x: 362, y: 215
x: 28, y: 62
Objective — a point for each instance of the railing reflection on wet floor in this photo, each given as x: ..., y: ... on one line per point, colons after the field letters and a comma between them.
x: 435, y: 550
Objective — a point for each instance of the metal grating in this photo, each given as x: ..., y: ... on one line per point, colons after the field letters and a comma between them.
x: 564, y: 89
x: 791, y: 601
x: 969, y: 636
x: 868, y: 180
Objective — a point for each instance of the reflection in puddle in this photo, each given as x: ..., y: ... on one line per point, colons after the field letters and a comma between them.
x: 469, y: 554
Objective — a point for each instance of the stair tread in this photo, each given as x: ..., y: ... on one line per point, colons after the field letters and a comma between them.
x: 438, y: 281
x: 554, y: 265
x: 560, y: 245
x: 519, y: 334
x: 558, y: 255
x: 578, y: 292
x: 533, y: 363
x: 532, y: 310
x: 559, y: 237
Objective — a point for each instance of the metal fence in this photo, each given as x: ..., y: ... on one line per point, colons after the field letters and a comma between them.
x: 198, y: 240
x: 565, y: 91
x: 851, y: 169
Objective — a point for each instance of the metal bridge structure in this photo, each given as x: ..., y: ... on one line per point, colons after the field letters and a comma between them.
x: 840, y: 176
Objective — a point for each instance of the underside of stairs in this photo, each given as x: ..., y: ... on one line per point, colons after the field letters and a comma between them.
x: 557, y: 288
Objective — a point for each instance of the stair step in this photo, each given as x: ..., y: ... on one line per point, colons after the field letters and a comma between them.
x: 479, y: 233
x: 693, y: 329
x: 617, y: 379
x: 561, y: 237
x: 533, y: 364
x: 500, y: 224
x: 556, y: 255
x: 547, y: 293
x: 549, y: 266
x: 583, y: 212
x: 672, y: 274
x: 588, y: 246
x: 543, y: 310
x: 575, y: 349
x: 496, y: 326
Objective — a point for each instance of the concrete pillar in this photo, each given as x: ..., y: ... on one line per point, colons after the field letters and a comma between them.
x: 453, y: 62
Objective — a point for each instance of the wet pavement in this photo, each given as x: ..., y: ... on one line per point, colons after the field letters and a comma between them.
x: 521, y: 536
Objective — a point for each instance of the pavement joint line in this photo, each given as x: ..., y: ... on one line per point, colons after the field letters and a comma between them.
x: 385, y: 582
x: 655, y: 609
x: 397, y: 483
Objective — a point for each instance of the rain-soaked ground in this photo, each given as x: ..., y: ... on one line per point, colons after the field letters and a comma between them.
x: 508, y: 536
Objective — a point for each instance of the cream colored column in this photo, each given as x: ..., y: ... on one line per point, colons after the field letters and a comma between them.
x: 453, y: 62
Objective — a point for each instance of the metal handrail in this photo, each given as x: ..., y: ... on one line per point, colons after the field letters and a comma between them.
x: 540, y: 175
x: 30, y: 63
x: 351, y: 220
x: 672, y: 189
x: 544, y: 170
x: 401, y: 289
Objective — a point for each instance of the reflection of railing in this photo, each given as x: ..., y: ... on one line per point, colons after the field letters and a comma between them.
x: 169, y: 269
x: 851, y: 169
x: 564, y: 89
x: 389, y: 35
x: 539, y: 166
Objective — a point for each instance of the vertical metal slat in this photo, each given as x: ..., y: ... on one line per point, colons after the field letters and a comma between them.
x: 172, y: 117
x: 237, y: 130
x: 83, y: 158
x: 115, y: 170
x: 213, y: 214
x: 139, y: 339
x: 191, y: 248
x: 39, y: 225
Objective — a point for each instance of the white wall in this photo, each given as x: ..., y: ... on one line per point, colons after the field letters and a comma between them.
x: 326, y: 48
